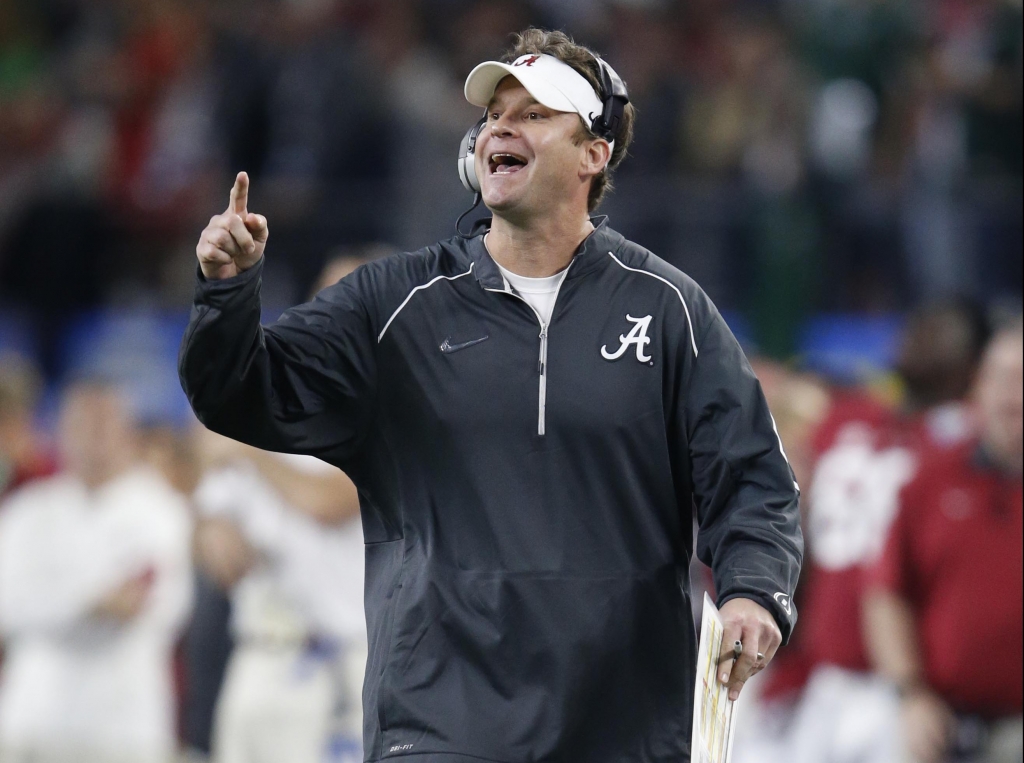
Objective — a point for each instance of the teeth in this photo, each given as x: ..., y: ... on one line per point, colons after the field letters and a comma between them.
x: 509, y: 162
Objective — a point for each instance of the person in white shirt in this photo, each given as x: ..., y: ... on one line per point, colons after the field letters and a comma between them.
x: 95, y: 586
x: 283, y: 535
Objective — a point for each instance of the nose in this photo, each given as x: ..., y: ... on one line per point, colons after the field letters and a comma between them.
x: 503, y: 127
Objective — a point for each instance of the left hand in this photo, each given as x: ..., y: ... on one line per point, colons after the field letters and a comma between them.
x: 753, y: 625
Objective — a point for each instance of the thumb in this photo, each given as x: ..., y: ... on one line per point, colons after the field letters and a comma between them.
x: 257, y: 226
x: 729, y: 658
x: 239, y: 199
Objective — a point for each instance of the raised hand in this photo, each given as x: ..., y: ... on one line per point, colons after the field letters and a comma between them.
x: 234, y: 240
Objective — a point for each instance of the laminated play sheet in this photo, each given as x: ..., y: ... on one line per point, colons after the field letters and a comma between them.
x: 712, y: 710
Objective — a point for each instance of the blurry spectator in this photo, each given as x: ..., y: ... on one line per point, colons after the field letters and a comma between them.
x: 30, y: 109
x: 978, y: 58
x: 799, y: 403
x: 795, y: 155
x: 965, y: 125
x: 283, y: 535
x: 346, y: 259
x: 22, y: 447
x: 176, y: 152
x: 644, y: 43
x: 329, y: 138
x: 23, y: 455
x: 945, y: 607
x: 865, y: 452
x: 206, y: 650
x: 424, y: 91
x: 95, y: 585
x: 170, y: 451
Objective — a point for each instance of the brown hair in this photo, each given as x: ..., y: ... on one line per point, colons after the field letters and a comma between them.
x: 582, y: 59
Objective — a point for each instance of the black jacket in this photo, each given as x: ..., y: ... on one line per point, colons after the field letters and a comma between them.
x: 527, y: 493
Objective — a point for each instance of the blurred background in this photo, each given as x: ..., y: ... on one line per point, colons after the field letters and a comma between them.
x: 843, y: 177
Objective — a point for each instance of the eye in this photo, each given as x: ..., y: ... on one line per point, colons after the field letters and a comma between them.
x: 534, y: 115
x: 493, y: 116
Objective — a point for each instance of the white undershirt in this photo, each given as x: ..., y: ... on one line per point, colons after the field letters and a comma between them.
x: 540, y: 293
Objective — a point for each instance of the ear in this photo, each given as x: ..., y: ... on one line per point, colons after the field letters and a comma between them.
x: 596, y: 155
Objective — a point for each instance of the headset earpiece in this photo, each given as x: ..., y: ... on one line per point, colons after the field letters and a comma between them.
x: 615, y: 98
x: 467, y: 156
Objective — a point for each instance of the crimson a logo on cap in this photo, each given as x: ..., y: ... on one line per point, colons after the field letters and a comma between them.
x: 529, y: 61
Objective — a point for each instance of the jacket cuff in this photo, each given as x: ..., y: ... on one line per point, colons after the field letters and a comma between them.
x: 780, y: 605
x: 219, y: 291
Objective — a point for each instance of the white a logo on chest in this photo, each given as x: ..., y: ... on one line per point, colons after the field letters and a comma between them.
x: 637, y: 336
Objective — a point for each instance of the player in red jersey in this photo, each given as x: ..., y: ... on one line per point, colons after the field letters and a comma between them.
x: 865, y: 453
x: 945, y: 603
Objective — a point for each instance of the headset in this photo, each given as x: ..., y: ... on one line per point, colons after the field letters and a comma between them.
x: 605, y: 125
x: 467, y: 156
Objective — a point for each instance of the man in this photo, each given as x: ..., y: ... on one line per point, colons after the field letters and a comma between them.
x: 532, y: 415
x: 95, y: 585
x: 944, y: 613
x: 281, y: 533
x: 866, y: 451
x: 23, y: 457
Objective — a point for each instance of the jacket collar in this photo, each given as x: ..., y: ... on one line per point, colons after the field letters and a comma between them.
x: 589, y: 254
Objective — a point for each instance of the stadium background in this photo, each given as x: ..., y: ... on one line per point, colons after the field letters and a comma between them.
x: 820, y: 167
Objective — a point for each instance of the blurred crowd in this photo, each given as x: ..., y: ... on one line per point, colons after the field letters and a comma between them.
x: 167, y: 593
x: 910, y: 645
x: 841, y: 154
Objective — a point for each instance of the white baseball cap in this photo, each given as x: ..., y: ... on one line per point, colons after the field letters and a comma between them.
x: 553, y: 83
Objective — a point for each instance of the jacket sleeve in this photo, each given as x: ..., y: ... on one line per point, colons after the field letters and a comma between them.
x: 744, y: 491
x: 304, y: 384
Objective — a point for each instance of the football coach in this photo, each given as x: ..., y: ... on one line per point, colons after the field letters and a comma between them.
x: 535, y: 414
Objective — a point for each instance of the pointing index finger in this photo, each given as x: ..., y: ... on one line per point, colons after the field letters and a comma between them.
x: 239, y: 199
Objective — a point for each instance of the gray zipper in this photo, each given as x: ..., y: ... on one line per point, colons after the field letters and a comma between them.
x: 542, y: 395
x: 542, y: 363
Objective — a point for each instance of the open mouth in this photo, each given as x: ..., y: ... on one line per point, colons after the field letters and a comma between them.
x: 505, y: 163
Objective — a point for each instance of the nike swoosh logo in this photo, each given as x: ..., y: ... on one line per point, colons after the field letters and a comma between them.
x: 447, y: 346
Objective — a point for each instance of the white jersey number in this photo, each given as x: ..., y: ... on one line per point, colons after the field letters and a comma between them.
x: 854, y: 497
